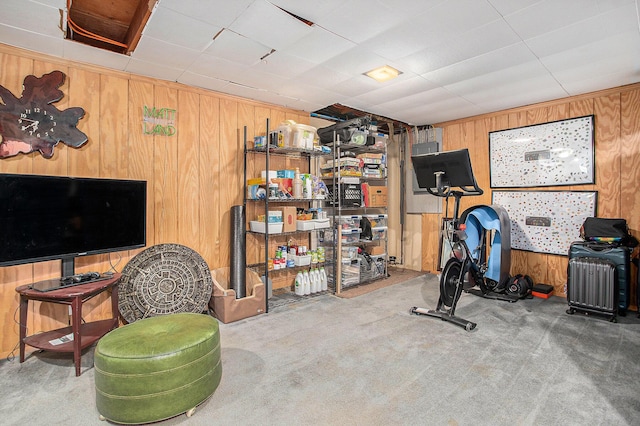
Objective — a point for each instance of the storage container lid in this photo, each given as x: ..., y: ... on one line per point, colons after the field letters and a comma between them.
x: 351, y: 231
x: 299, y: 126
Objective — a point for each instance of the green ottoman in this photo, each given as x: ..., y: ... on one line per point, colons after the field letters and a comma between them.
x: 157, y: 367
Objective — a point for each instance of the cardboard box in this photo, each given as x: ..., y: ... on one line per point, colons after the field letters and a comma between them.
x: 376, y: 250
x: 377, y: 196
x: 289, y: 219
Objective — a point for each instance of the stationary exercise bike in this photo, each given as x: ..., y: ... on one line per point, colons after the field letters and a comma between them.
x: 449, y: 174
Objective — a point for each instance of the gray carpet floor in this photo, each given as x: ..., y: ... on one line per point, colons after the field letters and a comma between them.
x: 368, y: 361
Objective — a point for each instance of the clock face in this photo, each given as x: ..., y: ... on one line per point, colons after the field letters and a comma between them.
x: 32, y: 123
x: 37, y: 122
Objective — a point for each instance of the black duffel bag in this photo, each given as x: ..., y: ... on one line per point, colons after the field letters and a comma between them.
x: 350, y: 131
x: 607, y: 230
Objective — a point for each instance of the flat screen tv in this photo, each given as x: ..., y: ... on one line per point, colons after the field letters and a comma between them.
x: 438, y: 172
x: 52, y: 217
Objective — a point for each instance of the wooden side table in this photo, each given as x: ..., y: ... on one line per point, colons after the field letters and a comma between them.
x: 85, y: 334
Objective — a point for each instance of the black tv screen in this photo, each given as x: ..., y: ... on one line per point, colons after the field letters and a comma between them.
x: 52, y: 217
x: 454, y: 168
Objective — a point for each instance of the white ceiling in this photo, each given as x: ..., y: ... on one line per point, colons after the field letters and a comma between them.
x: 458, y: 57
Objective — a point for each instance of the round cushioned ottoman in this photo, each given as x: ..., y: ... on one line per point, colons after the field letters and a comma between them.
x: 157, y: 367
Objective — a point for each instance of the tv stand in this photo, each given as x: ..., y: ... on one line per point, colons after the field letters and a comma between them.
x: 83, y: 334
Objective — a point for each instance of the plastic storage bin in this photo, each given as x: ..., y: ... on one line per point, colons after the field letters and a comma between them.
x: 348, y: 253
x: 349, y: 236
x: 274, y: 227
x: 303, y: 135
x: 379, y: 233
x: 349, y: 223
x: 350, y: 273
x: 283, y: 134
x: 305, y: 225
x: 322, y: 223
x: 377, y: 220
x: 302, y: 260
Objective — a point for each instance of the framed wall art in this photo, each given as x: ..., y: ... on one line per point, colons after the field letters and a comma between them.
x: 550, y: 154
x: 546, y: 221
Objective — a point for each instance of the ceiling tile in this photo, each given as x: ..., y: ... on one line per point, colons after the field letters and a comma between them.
x: 58, y: 4
x: 197, y: 80
x: 484, y: 39
x: 32, y: 16
x: 306, y: 105
x: 408, y: 8
x: 283, y: 65
x: 81, y: 52
x: 217, y: 68
x: 175, y: 28
x: 439, y: 111
x: 507, y: 7
x: 277, y: 30
x: 164, y: 54
x: 303, y: 10
x: 218, y: 13
x: 357, y: 61
x: 319, y: 45
x: 398, y: 41
x: 454, y: 17
x: 490, y: 37
x: 515, y: 94
x: 237, y: 48
x: 163, y: 72
x: 262, y: 80
x: 530, y: 82
x: 357, y: 21
x: 603, y: 57
x: 31, y: 41
x: 301, y: 90
x: 355, y: 86
x: 322, y: 77
x: 550, y: 15
x: 397, y: 90
x: 417, y: 99
x: 617, y: 77
x: 588, y: 31
x: 488, y: 63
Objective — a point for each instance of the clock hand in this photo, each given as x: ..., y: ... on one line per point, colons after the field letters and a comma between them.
x: 34, y: 125
x: 28, y: 119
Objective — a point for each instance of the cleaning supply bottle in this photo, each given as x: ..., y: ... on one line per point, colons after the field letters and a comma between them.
x: 297, y: 184
x: 312, y: 280
x: 319, y: 279
x: 299, y: 285
x: 307, y: 283
x: 323, y: 279
x: 307, y: 191
x: 316, y: 279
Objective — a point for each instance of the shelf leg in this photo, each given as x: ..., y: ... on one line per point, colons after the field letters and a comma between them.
x: 24, y: 302
x: 114, y: 305
x: 76, y: 318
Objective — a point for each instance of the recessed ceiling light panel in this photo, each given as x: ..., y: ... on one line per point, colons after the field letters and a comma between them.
x: 383, y: 73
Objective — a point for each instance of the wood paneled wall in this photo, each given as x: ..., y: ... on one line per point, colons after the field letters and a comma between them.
x: 617, y: 160
x: 193, y: 177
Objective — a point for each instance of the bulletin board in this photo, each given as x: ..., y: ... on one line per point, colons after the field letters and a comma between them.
x: 546, y: 221
x: 550, y: 154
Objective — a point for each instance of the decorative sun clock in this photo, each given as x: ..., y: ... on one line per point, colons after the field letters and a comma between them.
x: 31, y: 123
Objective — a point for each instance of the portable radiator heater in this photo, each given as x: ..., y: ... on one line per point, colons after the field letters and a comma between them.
x: 592, y: 286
